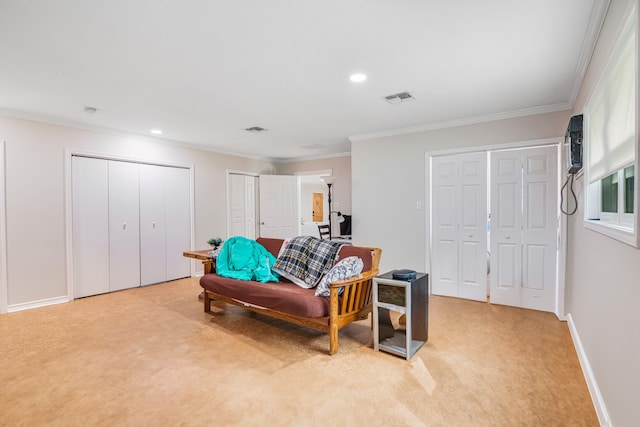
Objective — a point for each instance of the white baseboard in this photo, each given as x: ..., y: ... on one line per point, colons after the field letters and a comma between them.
x: 592, y: 384
x: 36, y: 304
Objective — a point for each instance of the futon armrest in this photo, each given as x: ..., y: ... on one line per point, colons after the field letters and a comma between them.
x: 351, y: 280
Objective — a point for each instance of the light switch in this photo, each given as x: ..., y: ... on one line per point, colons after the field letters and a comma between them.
x: 418, y: 205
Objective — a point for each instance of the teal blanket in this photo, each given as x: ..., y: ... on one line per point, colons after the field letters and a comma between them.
x: 245, y: 259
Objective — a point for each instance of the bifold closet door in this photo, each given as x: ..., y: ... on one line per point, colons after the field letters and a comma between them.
x: 242, y: 209
x: 178, y: 220
x: 90, y: 211
x: 459, y: 226
x: 524, y: 224
x: 124, y: 225
x: 153, y: 226
x: 165, y: 226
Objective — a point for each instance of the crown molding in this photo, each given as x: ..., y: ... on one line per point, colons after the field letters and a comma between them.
x: 464, y: 121
x: 305, y: 159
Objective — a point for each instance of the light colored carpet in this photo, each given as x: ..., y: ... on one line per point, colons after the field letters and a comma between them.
x: 151, y: 356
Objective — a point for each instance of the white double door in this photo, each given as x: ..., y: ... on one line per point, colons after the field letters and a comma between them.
x: 523, y: 193
x: 459, y: 226
x: 524, y: 228
x: 130, y: 224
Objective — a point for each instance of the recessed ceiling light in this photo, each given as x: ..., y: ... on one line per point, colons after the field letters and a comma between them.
x: 357, y: 78
x: 156, y: 131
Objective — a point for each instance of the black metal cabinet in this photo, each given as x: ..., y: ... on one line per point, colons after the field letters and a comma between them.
x: 393, y: 301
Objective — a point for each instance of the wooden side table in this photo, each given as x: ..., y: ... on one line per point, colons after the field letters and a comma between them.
x: 208, y: 262
x: 203, y: 255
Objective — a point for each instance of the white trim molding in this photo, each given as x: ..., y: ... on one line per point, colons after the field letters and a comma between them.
x: 39, y: 303
x: 464, y: 122
x: 592, y: 384
x: 4, y: 282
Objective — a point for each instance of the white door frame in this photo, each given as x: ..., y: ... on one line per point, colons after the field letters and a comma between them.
x: 4, y: 283
x: 560, y: 297
x: 69, y: 153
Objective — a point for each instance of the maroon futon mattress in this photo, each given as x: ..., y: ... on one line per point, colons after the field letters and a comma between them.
x: 284, y: 296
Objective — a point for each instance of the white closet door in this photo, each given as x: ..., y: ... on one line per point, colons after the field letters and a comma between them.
x: 459, y: 242
x: 90, y: 212
x: 473, y: 227
x: 153, y: 227
x: 250, y: 206
x: 445, y: 189
x: 540, y: 228
x: 506, y: 227
x: 124, y: 230
x: 524, y: 218
x: 238, y: 207
x: 242, y: 208
x: 178, y: 220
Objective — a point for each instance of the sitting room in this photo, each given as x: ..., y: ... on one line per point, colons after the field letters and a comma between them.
x: 491, y: 147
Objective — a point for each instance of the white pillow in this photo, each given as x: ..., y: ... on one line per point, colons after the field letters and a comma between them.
x: 285, y: 242
x: 348, y: 267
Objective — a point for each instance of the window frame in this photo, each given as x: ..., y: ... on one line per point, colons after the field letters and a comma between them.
x: 619, y: 217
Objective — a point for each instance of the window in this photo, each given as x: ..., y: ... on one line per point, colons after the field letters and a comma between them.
x: 611, y: 143
x: 616, y: 197
x: 628, y: 190
x: 610, y: 194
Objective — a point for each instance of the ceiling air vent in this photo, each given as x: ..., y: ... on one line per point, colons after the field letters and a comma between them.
x: 256, y: 129
x: 397, y: 98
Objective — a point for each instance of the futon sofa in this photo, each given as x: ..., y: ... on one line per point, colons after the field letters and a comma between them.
x: 349, y: 299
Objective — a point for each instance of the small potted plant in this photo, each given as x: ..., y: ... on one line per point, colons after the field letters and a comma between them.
x: 215, y: 242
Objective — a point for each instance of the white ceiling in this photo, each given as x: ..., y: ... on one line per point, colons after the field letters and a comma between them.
x: 203, y: 70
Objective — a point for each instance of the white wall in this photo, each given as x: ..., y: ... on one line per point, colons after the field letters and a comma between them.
x: 35, y: 196
x: 603, y: 280
x: 388, y: 179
